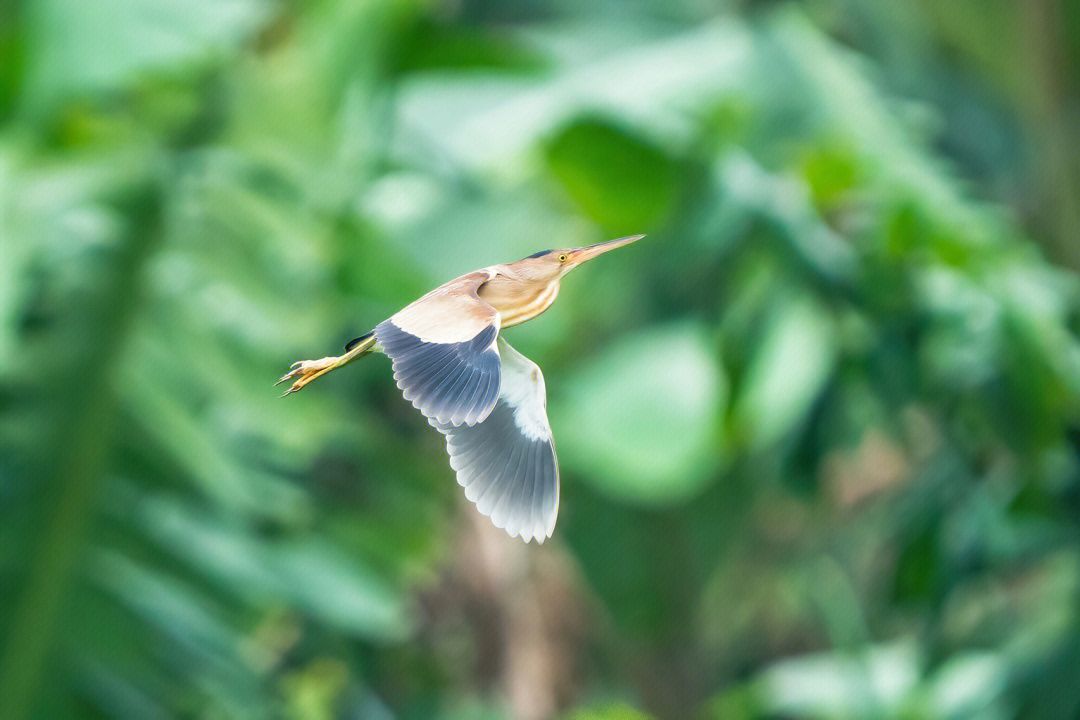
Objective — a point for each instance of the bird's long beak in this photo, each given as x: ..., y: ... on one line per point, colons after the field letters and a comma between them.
x: 580, y: 255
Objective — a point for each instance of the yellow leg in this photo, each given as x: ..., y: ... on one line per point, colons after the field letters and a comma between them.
x: 304, y: 371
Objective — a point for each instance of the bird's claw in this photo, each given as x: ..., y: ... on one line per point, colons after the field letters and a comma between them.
x: 304, y: 371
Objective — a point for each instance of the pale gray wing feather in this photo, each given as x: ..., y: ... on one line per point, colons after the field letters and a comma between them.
x: 451, y: 383
x: 507, y: 463
x: 444, y: 354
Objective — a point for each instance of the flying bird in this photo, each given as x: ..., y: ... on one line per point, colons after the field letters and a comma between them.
x: 486, y: 398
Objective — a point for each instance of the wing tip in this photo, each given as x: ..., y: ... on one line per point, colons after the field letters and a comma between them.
x: 540, y: 532
x: 517, y: 516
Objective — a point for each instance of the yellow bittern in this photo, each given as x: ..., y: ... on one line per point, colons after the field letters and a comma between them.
x: 485, y: 397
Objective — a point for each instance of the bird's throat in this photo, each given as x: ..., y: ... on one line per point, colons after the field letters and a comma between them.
x: 518, y: 300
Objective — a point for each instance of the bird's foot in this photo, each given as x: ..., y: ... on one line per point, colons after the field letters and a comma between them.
x: 304, y: 371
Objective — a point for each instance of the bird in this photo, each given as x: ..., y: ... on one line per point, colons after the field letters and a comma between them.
x: 489, y: 401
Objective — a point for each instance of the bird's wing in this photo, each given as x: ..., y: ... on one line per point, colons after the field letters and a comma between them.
x: 444, y: 353
x: 507, y: 463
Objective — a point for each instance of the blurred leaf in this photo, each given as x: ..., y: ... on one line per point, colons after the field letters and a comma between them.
x: 316, y: 575
x: 786, y: 201
x: 341, y: 591
x: 618, y: 179
x: 82, y: 48
x: 512, y: 116
x: 788, y: 370
x: 641, y: 421
x: 613, y: 712
x: 875, y: 683
x: 967, y: 686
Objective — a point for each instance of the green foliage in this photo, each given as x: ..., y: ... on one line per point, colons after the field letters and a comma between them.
x: 817, y: 431
x: 613, y: 712
x: 617, y: 179
x: 660, y: 443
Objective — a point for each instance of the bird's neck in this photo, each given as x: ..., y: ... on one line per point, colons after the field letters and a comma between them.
x: 517, y: 299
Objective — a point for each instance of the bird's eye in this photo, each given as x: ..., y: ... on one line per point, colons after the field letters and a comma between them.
x: 562, y: 258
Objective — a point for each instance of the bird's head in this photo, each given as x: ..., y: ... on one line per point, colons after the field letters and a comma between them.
x: 553, y: 264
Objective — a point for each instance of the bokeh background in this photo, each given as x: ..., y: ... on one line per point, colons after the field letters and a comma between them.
x: 818, y: 431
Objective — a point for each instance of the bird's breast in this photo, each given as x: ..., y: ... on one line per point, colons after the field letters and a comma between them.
x: 518, y: 300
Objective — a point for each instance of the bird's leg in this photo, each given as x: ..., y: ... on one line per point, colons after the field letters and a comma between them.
x: 304, y: 371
